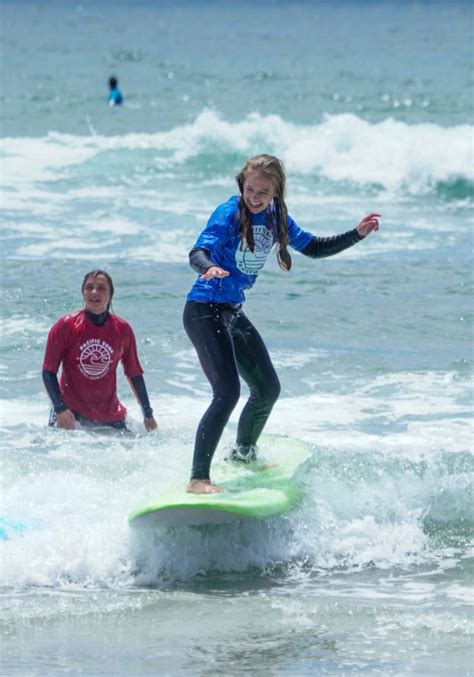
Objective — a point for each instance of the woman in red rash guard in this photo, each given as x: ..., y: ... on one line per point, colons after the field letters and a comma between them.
x: 88, y: 345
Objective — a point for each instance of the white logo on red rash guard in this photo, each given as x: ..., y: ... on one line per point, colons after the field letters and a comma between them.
x: 95, y: 359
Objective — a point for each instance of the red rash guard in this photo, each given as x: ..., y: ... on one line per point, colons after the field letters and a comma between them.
x: 89, y: 355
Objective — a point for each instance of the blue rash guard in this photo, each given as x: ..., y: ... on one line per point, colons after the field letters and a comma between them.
x: 115, y: 97
x: 222, y: 239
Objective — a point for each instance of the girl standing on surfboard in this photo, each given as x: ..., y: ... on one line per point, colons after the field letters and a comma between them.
x: 89, y: 344
x: 228, y: 255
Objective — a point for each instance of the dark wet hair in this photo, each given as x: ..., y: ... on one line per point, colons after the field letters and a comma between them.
x: 272, y: 167
x: 95, y: 274
x: 113, y: 82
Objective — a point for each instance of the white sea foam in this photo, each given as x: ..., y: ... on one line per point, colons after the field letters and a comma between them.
x: 95, y: 193
x: 441, y: 623
x: 461, y: 593
x: 366, y: 493
x: 393, y: 154
x: 23, y: 325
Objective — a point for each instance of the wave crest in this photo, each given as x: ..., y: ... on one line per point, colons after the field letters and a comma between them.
x: 342, y: 149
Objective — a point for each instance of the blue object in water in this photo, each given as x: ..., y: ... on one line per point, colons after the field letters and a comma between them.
x: 115, y: 97
x: 9, y: 528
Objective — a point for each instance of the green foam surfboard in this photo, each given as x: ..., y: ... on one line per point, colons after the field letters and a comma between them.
x: 259, y: 490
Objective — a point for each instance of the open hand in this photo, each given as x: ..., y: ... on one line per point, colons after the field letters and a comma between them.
x: 368, y: 224
x: 214, y: 271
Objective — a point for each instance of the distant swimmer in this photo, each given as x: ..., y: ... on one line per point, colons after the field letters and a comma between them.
x: 88, y: 346
x: 115, y: 97
x: 228, y: 256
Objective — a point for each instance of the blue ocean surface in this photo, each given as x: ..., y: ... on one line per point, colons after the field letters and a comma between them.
x: 369, y: 105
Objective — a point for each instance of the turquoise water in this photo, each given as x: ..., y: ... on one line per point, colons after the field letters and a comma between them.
x: 370, y: 107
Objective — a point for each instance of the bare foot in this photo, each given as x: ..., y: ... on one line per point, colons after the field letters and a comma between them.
x: 203, y: 487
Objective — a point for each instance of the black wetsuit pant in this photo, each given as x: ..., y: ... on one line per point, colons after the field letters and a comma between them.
x: 227, y: 345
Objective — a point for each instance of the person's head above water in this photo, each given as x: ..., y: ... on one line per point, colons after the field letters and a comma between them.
x: 113, y: 82
x: 267, y: 166
x: 97, y: 291
x: 261, y: 181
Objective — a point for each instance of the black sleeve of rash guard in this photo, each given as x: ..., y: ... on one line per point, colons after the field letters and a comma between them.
x: 139, y: 386
x: 199, y: 260
x: 50, y: 380
x: 319, y: 247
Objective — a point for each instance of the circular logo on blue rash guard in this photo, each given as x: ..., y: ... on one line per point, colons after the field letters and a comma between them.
x: 249, y: 262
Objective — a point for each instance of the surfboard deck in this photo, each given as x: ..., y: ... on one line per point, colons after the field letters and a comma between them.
x: 253, y: 491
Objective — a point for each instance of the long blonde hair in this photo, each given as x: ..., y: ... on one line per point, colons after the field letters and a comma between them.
x: 273, y: 168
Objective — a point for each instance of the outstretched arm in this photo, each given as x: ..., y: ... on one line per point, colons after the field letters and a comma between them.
x: 137, y: 384
x: 320, y: 247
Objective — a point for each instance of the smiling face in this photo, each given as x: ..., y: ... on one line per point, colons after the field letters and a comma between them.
x: 258, y: 191
x: 96, y: 294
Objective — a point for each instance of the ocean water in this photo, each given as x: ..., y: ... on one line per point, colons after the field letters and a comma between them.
x: 369, y: 104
